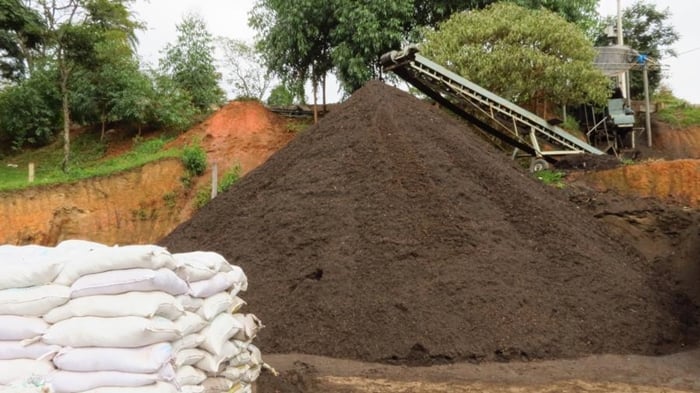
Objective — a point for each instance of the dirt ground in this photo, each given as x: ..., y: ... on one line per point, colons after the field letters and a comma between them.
x: 605, y: 373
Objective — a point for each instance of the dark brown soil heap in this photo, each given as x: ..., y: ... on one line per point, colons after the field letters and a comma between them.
x: 390, y: 232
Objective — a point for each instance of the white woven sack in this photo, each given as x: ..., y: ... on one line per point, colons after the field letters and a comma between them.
x: 14, y: 327
x: 189, y: 375
x: 251, y: 374
x: 188, y: 357
x: 251, y: 325
x: 158, y: 387
x: 221, y: 329
x: 255, y: 355
x: 190, y: 323
x: 136, y: 304
x: 131, y: 280
x: 121, y: 332
x: 242, y: 359
x: 215, y: 363
x: 192, y: 389
x: 189, y: 303
x: 234, y: 280
x: 20, y: 369
x: 200, y: 265
x: 144, y: 360
x: 17, y: 350
x: 241, y: 388
x: 28, y: 267
x: 32, y: 301
x: 217, y: 385
x: 73, y: 246
x: 71, y: 382
x: 99, y: 260
x: 219, y: 303
x: 234, y: 373
x: 188, y: 342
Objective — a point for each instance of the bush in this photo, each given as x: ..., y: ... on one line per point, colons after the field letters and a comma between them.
x: 29, y: 113
x: 195, y: 159
x: 230, y: 178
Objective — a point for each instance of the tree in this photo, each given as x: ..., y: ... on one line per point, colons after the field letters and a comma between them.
x: 74, y: 27
x: 29, y: 112
x: 648, y: 31
x: 294, y: 39
x: 190, y: 63
x: 524, y: 55
x: 280, y: 96
x: 365, y: 31
x: 249, y: 80
x: 21, y: 30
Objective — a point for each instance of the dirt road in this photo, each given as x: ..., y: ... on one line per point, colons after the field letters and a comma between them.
x: 607, y: 373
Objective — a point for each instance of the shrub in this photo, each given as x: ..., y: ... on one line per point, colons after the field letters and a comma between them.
x: 230, y: 178
x: 195, y: 159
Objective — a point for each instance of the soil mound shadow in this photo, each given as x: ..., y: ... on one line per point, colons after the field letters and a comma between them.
x: 389, y: 232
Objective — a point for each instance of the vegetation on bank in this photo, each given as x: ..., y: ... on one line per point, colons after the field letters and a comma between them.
x: 88, y: 161
x: 676, y: 112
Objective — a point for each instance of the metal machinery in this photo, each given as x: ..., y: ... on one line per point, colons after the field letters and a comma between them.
x: 499, y: 118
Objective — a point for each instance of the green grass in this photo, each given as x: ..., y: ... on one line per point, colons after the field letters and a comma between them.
x: 551, y: 177
x: 677, y: 112
x: 86, y: 161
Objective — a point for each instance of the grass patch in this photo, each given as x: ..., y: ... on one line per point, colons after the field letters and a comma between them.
x: 86, y: 161
x: 551, y: 178
x: 677, y: 112
x: 230, y: 178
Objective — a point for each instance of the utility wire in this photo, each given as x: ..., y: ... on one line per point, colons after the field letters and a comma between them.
x: 688, y: 51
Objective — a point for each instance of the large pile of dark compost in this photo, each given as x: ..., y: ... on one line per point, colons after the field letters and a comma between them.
x: 390, y: 232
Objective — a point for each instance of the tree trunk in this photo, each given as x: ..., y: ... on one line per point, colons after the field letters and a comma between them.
x: 103, y: 120
x: 66, y: 120
x: 325, y: 109
x: 315, y: 83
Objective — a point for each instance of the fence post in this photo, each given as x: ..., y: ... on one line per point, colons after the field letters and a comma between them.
x: 214, y: 180
x: 31, y: 172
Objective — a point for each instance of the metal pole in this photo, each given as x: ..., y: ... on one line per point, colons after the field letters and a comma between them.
x: 621, y: 42
x: 646, y: 102
x: 214, y: 180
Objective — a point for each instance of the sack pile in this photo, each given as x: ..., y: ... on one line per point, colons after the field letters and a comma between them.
x: 85, y: 317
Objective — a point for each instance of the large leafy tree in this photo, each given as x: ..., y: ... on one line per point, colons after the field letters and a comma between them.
x: 295, y: 39
x: 524, y: 55
x: 649, y: 31
x: 364, y: 32
x: 73, y: 30
x: 21, y: 30
x: 190, y: 63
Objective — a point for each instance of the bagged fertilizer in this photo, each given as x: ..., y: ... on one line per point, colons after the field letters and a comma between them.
x: 121, y: 332
x: 137, y: 304
x: 85, y: 317
x: 99, y: 260
x: 144, y: 360
x: 32, y: 301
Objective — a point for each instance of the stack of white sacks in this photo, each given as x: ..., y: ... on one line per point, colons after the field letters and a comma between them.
x: 84, y: 317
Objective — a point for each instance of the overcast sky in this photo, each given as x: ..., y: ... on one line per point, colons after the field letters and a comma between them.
x: 230, y: 18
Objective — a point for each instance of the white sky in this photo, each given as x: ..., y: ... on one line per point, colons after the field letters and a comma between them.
x: 229, y: 18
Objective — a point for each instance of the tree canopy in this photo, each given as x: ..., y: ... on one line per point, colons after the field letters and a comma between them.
x: 190, y: 62
x: 21, y: 29
x: 521, y: 54
x: 304, y: 40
